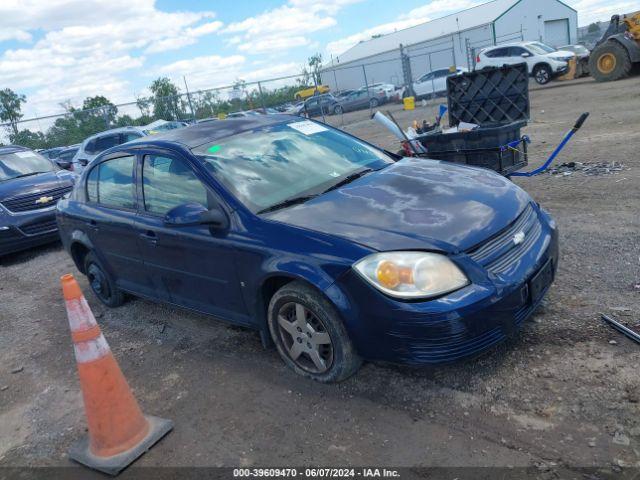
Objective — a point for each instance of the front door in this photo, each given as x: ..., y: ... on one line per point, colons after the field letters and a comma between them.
x: 193, y: 266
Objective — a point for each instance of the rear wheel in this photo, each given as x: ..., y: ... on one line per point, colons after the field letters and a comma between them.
x: 337, y: 109
x: 610, y: 61
x: 373, y: 103
x: 309, y: 334
x: 101, y: 282
x: 542, y: 74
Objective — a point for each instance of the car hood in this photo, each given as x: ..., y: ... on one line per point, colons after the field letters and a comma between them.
x: 415, y: 203
x: 561, y: 54
x: 34, y: 184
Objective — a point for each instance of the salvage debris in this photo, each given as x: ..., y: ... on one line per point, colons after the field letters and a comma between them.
x: 621, y: 328
x: 587, y: 168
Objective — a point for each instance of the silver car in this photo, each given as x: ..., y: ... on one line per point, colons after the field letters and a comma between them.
x: 92, y: 146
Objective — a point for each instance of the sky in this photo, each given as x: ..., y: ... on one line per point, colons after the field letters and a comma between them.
x: 56, y: 51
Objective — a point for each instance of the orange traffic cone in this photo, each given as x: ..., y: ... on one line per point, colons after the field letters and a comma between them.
x: 118, y: 431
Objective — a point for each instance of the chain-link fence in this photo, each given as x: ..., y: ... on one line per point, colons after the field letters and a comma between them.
x: 418, y: 70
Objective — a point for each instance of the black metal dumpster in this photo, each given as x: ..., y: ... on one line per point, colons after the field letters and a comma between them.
x: 497, y: 99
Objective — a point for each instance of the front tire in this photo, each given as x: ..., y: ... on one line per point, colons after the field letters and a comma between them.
x: 542, y: 74
x: 373, y: 103
x: 101, y: 282
x: 309, y: 334
x: 609, y: 62
x: 337, y: 109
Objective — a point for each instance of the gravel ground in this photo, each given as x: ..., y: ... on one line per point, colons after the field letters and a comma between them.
x: 562, y: 395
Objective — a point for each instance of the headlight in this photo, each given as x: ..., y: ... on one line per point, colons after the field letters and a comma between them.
x: 411, y: 274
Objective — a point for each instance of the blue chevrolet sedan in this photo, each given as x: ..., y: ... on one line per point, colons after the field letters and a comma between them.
x: 334, y: 250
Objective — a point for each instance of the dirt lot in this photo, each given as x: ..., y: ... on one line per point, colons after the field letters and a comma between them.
x: 564, y: 394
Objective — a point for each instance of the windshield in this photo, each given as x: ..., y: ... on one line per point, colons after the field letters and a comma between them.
x: 271, y: 165
x: 540, y: 48
x: 23, y: 163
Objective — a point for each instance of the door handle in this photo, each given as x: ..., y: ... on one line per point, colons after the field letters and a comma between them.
x: 150, y: 236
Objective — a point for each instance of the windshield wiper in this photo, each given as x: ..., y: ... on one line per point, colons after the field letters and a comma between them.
x: 349, y: 178
x: 287, y: 203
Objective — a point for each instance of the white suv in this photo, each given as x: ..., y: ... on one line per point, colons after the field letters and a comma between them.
x: 543, y: 61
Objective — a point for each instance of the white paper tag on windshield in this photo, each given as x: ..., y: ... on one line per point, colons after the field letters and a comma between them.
x: 24, y: 154
x: 307, y: 127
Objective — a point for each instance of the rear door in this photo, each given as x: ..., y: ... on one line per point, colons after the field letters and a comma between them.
x: 109, y: 215
x: 194, y: 266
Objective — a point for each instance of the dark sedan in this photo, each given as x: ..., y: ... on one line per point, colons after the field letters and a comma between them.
x: 30, y: 186
x: 335, y: 250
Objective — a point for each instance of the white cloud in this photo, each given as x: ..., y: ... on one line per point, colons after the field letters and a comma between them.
x: 87, y: 45
x: 212, y: 71
x: 590, y: 11
x: 286, y: 26
x: 422, y: 14
x: 15, y: 34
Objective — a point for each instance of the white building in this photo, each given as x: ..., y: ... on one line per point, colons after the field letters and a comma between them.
x: 451, y: 40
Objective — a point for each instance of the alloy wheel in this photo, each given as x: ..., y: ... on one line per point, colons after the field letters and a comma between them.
x: 542, y: 76
x: 305, y: 338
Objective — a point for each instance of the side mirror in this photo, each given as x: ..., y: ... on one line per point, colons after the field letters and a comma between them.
x: 190, y: 214
x: 83, y: 161
x: 525, y: 55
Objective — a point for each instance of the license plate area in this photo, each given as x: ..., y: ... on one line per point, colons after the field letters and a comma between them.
x: 540, y: 281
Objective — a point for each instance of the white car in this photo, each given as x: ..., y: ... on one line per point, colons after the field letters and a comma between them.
x: 435, y: 83
x: 544, y: 62
x: 92, y: 146
x: 391, y: 92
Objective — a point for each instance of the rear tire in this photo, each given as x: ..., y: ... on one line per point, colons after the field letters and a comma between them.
x: 609, y: 62
x: 373, y: 103
x: 309, y: 334
x: 337, y: 110
x: 542, y: 74
x: 101, y: 282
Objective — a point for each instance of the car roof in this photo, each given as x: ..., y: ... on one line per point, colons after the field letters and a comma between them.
x: 5, y: 149
x: 202, y: 133
x: 114, y: 130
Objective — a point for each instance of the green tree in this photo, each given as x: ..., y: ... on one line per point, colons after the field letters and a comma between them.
x: 315, y: 64
x: 27, y: 138
x: 166, y: 102
x: 10, y: 108
x: 593, y: 28
x: 102, y: 107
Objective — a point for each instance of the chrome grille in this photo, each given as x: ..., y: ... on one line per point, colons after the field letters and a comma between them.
x: 25, y: 203
x: 49, y: 225
x: 499, y: 252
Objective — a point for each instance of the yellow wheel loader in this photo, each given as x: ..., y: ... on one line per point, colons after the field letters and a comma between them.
x: 618, y: 50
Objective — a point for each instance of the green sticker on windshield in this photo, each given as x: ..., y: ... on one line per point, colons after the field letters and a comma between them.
x: 213, y: 149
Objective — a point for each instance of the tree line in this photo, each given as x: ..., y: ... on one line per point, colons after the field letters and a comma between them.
x: 166, y: 102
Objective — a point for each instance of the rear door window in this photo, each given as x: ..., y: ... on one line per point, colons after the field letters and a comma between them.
x: 169, y: 182
x: 497, y: 52
x: 108, y: 141
x: 111, y: 183
x: 129, y: 136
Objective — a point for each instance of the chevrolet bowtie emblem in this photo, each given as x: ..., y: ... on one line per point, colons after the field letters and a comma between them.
x: 518, y: 238
x: 44, y: 199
